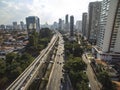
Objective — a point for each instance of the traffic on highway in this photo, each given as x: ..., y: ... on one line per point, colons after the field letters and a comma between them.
x: 29, y: 74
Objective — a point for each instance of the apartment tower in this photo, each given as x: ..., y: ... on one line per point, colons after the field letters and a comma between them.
x: 93, y: 21
x: 84, y: 24
x: 108, y: 42
x: 71, y: 25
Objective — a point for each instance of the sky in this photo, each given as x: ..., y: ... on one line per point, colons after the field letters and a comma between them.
x: 47, y: 10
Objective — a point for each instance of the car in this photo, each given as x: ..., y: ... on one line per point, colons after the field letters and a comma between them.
x: 22, y: 88
x: 84, y: 72
x: 61, y: 87
x: 89, y: 85
x: 61, y: 80
x: 51, y: 62
x: 31, y: 75
x: 36, y: 79
x: 62, y: 70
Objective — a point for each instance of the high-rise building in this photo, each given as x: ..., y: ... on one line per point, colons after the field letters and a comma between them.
x: 9, y: 27
x: 79, y: 26
x: 109, y: 36
x: 66, y: 18
x: 84, y: 24
x: 22, y: 25
x: 93, y: 21
x: 2, y: 27
x: 15, y: 26
x: 71, y: 25
x: 55, y: 26
x: 66, y: 23
x: 60, y: 24
x: 63, y: 25
x: 33, y: 23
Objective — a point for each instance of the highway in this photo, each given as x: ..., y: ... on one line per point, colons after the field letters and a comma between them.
x: 29, y: 74
x: 94, y: 84
x: 55, y: 81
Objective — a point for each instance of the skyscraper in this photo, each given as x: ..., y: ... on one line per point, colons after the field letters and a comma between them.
x: 66, y: 18
x: 109, y: 35
x: 15, y: 26
x: 71, y: 25
x: 93, y: 21
x: 60, y: 24
x: 55, y: 25
x: 63, y: 25
x: 66, y: 23
x: 22, y: 25
x: 84, y: 24
x: 32, y: 23
x: 79, y: 26
x: 2, y: 27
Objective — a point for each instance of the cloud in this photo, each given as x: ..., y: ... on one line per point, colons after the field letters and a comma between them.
x: 47, y: 10
x: 13, y: 11
x: 19, y: 10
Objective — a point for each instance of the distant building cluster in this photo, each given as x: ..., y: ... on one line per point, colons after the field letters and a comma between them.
x: 68, y: 25
x: 12, y: 42
x: 14, y: 38
x: 101, y: 27
x: 14, y: 26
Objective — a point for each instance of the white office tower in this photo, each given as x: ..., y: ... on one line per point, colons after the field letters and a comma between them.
x: 84, y: 24
x: 79, y: 26
x: 93, y: 21
x: 108, y: 41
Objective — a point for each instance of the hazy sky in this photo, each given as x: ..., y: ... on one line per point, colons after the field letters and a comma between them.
x: 47, y: 10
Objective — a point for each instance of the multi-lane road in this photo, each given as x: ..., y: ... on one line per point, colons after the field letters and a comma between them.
x: 93, y: 82
x: 26, y: 78
x: 56, y: 76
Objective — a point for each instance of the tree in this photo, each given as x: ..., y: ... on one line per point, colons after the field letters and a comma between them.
x: 82, y: 86
x: 10, y: 57
x: 33, y: 39
x: 44, y: 41
x: 75, y: 67
x: 104, y: 78
x: 25, y: 60
x: 3, y: 82
x: 2, y: 67
x: 77, y: 77
x: 38, y: 41
x: 13, y: 70
x: 68, y: 48
x: 45, y: 32
x: 78, y: 51
x: 75, y: 64
x: 40, y: 47
x: 16, y: 71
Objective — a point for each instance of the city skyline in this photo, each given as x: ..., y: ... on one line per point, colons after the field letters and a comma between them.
x: 47, y: 10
